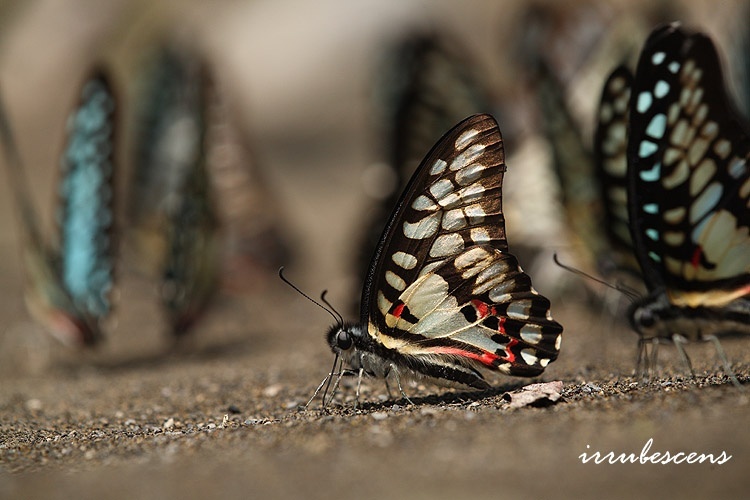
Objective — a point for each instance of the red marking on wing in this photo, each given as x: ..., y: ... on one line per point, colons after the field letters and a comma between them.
x: 501, y: 325
x: 510, y: 357
x: 487, y: 358
x: 695, y: 261
x: 398, y: 309
x: 482, y: 309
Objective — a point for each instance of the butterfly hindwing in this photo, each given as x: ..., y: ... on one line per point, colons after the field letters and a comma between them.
x: 442, y: 283
x: 689, y: 188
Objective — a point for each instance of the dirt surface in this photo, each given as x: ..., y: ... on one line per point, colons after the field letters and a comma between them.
x: 222, y: 415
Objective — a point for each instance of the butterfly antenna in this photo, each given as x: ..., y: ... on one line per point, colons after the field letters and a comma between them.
x: 628, y: 292
x: 333, y: 309
x: 336, y: 316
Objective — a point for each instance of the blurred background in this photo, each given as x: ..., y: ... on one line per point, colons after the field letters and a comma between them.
x: 303, y: 84
x: 301, y: 79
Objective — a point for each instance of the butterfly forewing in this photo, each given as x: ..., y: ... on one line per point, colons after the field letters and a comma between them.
x: 610, y: 160
x: 690, y: 184
x: 442, y: 282
x: 85, y: 216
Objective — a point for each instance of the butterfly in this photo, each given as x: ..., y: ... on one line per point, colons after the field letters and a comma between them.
x: 443, y: 298
x: 172, y: 208
x: 688, y: 193
x: 70, y: 279
x: 425, y: 85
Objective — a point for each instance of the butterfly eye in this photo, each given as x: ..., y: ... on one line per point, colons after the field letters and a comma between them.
x: 344, y: 340
x: 645, y: 318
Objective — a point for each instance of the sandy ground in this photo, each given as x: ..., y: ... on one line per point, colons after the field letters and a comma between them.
x: 222, y: 415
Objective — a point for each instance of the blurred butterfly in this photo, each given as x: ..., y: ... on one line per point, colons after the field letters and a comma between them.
x: 689, y: 193
x: 443, y: 299
x: 610, y: 163
x: 171, y: 206
x: 70, y: 279
x: 202, y: 218
x: 425, y: 85
x: 591, y: 176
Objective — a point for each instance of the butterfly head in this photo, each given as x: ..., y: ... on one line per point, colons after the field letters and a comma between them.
x: 344, y: 339
x: 654, y: 316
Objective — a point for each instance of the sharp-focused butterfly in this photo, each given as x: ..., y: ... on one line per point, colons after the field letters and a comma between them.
x: 443, y: 298
x: 688, y: 191
x: 71, y: 278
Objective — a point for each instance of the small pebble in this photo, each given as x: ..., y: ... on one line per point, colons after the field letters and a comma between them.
x: 33, y: 404
x: 169, y: 424
x: 379, y: 415
x: 272, y: 390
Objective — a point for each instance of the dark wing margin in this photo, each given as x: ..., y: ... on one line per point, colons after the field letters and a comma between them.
x: 688, y: 178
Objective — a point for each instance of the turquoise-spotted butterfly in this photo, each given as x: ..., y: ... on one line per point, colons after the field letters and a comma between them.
x: 688, y: 191
x: 71, y: 277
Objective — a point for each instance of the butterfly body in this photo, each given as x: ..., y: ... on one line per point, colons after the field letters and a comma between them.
x: 443, y: 298
x: 689, y: 191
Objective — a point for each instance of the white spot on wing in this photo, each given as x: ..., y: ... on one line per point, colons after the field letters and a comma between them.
x: 529, y: 357
x: 465, y: 138
x: 395, y: 280
x: 454, y: 219
x: 422, y: 203
x: 384, y: 305
x: 441, y: 188
x: 706, y: 202
x: 469, y: 174
x: 404, y: 260
x: 424, y: 228
x: 467, y: 157
x: 531, y: 334
x: 475, y: 213
x: 447, y: 244
x: 479, y: 235
x: 470, y: 258
x: 438, y: 167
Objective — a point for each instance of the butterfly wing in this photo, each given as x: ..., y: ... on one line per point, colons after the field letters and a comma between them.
x: 688, y: 178
x: 610, y: 163
x: 86, y: 208
x: 172, y: 203
x: 573, y: 166
x: 442, y: 285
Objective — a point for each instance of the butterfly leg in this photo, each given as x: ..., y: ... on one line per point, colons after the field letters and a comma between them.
x: 641, y: 365
x: 724, y: 361
x: 320, y: 386
x: 359, y: 386
x: 400, y: 388
x: 388, y: 389
x: 654, y: 361
x: 679, y: 342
